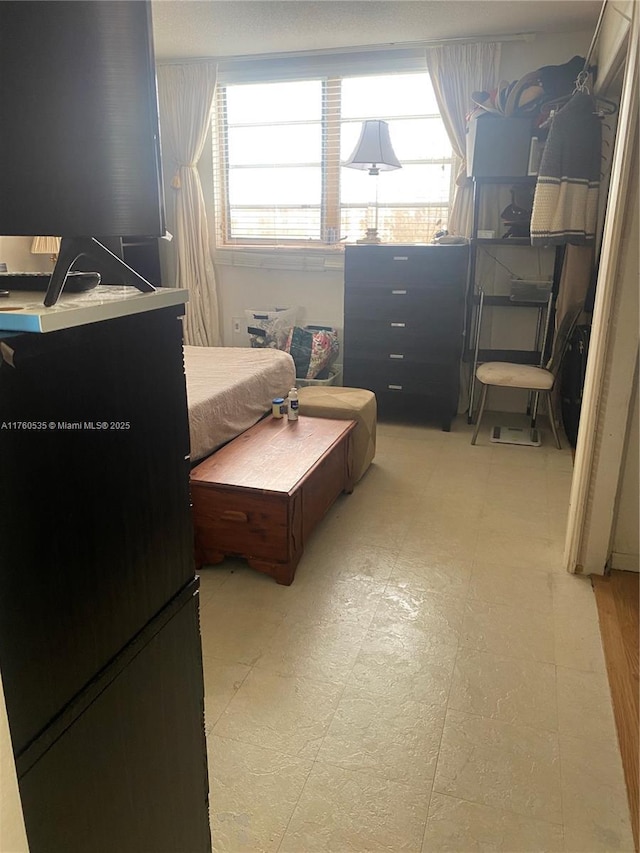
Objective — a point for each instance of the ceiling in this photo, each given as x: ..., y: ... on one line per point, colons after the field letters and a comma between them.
x: 192, y: 28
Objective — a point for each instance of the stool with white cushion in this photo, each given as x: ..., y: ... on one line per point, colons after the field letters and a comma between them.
x: 540, y: 380
x: 346, y: 404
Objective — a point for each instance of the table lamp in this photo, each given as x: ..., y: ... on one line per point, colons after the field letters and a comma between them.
x: 374, y: 154
x: 46, y: 246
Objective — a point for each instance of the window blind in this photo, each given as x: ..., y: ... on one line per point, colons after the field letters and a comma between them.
x: 281, y: 134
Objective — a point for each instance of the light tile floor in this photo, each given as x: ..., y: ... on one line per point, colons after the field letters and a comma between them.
x: 432, y: 680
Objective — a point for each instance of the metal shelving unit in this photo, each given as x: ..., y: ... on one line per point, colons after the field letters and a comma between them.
x: 479, y: 301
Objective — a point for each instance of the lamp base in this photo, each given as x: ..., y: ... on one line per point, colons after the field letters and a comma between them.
x: 372, y: 236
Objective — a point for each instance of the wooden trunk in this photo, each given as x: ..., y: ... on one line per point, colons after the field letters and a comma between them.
x: 261, y: 495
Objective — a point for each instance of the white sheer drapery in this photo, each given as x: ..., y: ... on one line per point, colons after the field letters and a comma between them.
x: 457, y: 70
x: 186, y: 93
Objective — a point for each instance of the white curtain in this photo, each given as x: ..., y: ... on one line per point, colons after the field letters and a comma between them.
x: 186, y: 93
x: 457, y: 70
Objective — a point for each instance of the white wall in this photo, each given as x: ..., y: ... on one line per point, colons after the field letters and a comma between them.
x: 520, y: 57
x: 625, y: 547
x: 319, y: 294
x: 15, y: 252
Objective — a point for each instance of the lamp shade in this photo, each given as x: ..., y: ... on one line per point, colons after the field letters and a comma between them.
x: 45, y: 246
x: 373, y: 152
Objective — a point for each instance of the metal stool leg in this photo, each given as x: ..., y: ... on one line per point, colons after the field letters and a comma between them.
x: 483, y: 400
x: 552, y: 418
x: 476, y: 350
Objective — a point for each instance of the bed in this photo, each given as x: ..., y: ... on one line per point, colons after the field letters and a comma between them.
x: 229, y: 389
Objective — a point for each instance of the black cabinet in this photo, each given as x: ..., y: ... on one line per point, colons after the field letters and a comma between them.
x: 128, y: 768
x: 403, y: 321
x: 99, y: 640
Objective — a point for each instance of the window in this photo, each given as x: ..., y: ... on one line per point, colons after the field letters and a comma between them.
x: 278, y: 147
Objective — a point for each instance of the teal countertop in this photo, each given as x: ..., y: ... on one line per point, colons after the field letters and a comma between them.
x: 24, y: 311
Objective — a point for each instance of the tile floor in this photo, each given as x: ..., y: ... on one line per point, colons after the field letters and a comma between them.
x: 431, y: 681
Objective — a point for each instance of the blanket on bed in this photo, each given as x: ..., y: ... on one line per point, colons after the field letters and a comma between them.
x: 229, y: 389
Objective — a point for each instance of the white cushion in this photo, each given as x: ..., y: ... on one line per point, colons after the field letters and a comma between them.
x: 515, y: 375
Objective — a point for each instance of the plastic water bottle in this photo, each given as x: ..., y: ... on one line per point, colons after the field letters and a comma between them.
x: 292, y: 410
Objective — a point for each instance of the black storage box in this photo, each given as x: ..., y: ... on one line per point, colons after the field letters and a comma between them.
x: 498, y: 147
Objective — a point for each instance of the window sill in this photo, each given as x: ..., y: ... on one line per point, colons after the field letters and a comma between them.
x: 279, y: 258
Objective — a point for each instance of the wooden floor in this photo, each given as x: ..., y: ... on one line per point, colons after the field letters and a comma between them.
x: 618, y: 607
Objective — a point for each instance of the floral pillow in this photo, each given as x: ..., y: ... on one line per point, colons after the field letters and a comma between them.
x: 313, y: 351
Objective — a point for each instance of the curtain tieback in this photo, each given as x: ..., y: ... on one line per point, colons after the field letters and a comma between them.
x: 176, y: 181
x: 462, y: 179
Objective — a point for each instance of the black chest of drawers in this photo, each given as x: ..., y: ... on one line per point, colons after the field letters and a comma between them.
x: 403, y: 323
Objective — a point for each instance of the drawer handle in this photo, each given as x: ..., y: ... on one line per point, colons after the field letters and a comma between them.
x: 400, y: 257
x: 234, y: 515
x: 399, y: 292
x: 396, y: 355
x: 394, y: 387
x: 398, y: 325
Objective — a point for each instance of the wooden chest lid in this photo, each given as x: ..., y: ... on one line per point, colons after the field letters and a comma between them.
x: 274, y: 455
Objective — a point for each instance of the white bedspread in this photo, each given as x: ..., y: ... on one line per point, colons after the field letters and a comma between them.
x: 229, y: 389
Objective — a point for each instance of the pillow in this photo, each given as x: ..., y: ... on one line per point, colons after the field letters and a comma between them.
x: 270, y: 328
x: 313, y: 351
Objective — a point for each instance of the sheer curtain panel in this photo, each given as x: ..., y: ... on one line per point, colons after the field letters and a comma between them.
x: 186, y: 93
x: 456, y: 71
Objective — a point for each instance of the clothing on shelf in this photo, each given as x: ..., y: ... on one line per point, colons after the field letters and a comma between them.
x: 565, y: 203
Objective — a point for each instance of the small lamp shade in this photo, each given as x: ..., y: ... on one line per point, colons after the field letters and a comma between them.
x: 373, y: 152
x: 45, y: 246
